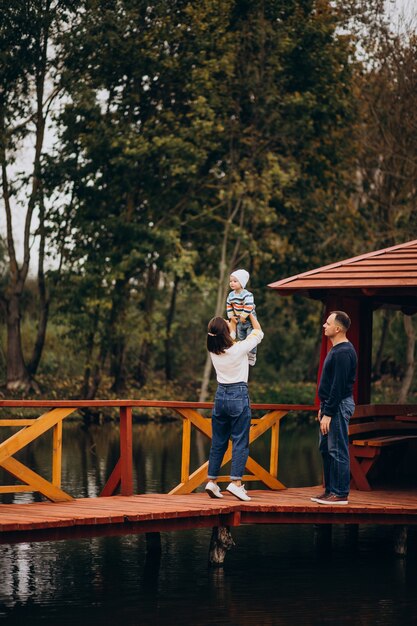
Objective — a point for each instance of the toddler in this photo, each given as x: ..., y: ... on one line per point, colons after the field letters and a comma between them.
x: 239, y: 304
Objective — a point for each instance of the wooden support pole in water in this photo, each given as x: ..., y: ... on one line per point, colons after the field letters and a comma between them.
x: 400, y: 540
x: 152, y: 560
x: 220, y: 543
x: 153, y: 544
x: 323, y: 537
x: 351, y: 535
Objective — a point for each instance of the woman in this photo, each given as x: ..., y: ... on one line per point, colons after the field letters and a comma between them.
x: 231, y: 413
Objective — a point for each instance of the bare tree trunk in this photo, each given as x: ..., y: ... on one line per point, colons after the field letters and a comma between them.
x: 118, y: 332
x: 89, y: 355
x: 43, y: 299
x: 97, y: 371
x: 118, y: 365
x: 17, y: 374
x: 93, y: 368
x: 145, y: 352
x: 168, y: 337
x: 116, y: 335
x: 221, y: 295
x: 87, y: 368
x: 380, y: 351
x: 409, y: 372
x: 225, y: 267
x: 311, y: 373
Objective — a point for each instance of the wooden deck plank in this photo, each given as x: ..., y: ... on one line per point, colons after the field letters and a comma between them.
x: 195, y: 510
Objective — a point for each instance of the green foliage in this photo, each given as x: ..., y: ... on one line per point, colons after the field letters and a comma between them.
x: 285, y: 392
x: 227, y: 117
x: 388, y: 154
x: 190, y: 134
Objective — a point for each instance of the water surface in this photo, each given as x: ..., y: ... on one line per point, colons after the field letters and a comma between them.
x: 273, y: 576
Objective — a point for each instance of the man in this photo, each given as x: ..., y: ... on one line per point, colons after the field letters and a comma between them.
x: 336, y: 408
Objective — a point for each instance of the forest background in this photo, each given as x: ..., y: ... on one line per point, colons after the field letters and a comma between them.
x: 148, y: 149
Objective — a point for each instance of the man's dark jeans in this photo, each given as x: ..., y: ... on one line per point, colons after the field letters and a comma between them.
x: 334, y: 448
x: 230, y: 419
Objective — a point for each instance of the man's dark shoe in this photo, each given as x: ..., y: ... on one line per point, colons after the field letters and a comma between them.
x: 322, y: 496
x: 333, y: 499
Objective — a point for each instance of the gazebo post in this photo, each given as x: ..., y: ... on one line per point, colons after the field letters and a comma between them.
x: 360, y: 334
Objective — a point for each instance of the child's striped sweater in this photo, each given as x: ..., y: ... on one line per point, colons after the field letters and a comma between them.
x: 240, y: 304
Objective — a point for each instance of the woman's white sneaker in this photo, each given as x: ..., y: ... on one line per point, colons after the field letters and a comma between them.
x: 239, y: 492
x: 213, y: 490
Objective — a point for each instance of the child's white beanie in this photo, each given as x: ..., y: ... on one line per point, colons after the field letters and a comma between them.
x: 242, y: 276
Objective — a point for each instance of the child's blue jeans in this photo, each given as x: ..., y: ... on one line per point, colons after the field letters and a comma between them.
x: 244, y: 329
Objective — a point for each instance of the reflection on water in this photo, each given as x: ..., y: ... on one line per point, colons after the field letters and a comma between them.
x: 273, y: 576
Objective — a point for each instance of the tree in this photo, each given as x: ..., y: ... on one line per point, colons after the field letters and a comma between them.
x: 387, y: 190
x: 28, y: 90
x: 287, y: 141
x: 388, y: 160
x: 127, y: 161
x: 195, y: 137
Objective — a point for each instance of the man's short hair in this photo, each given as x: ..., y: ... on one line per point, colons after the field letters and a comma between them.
x: 342, y: 318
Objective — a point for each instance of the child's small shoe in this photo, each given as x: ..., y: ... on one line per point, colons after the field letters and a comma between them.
x: 251, y: 358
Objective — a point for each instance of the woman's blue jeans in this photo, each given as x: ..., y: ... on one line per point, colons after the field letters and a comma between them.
x: 230, y: 420
x: 334, y: 449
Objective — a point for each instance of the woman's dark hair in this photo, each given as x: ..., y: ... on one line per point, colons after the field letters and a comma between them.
x: 218, y: 336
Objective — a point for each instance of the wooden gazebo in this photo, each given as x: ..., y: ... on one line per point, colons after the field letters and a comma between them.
x: 383, y: 279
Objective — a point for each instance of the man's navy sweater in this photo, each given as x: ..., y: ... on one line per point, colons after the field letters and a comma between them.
x: 337, y: 377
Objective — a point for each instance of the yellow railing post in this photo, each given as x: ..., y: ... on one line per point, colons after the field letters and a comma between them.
x: 57, y: 455
x: 186, y: 450
x: 273, y: 463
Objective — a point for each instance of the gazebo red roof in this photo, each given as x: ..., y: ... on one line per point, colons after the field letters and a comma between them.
x: 385, y: 271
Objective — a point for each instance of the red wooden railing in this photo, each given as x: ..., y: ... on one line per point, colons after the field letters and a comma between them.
x: 122, y: 474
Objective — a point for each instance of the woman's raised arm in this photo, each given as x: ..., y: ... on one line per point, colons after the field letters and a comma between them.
x: 255, y: 324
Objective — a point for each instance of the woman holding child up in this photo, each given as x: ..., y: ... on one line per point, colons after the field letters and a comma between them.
x: 231, y: 412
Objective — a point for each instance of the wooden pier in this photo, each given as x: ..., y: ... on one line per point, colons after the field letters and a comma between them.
x: 119, y: 511
x: 118, y: 515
